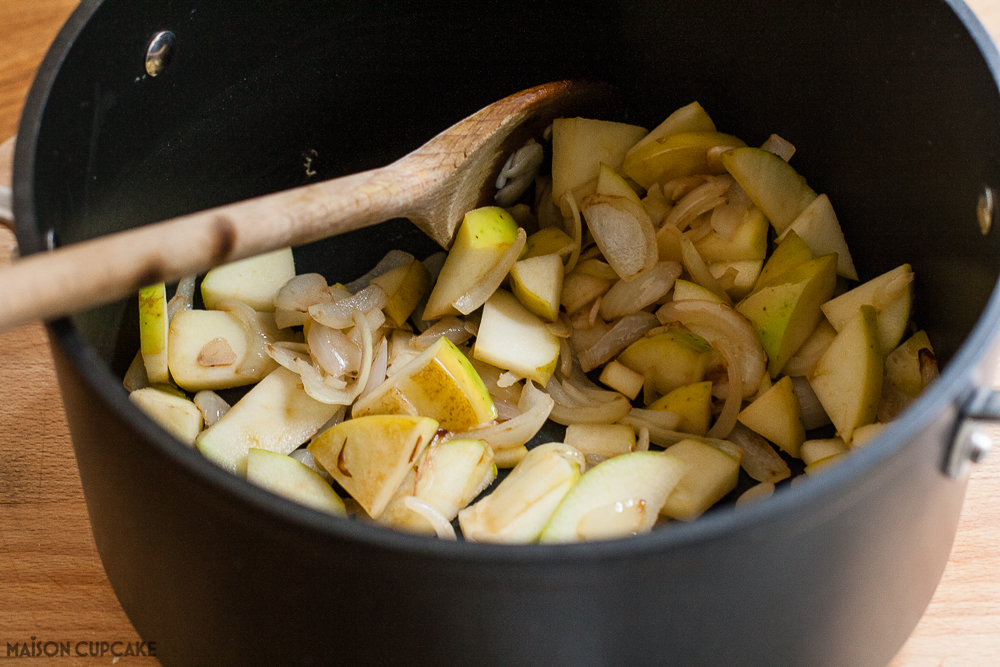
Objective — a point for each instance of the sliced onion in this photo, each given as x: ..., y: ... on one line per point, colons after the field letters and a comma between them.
x: 378, y: 371
x: 505, y: 409
x: 656, y: 204
x: 628, y: 297
x: 433, y: 265
x: 700, y: 200
x: 433, y: 515
x: 449, y: 327
x: 642, y: 439
x: 759, y: 460
x: 287, y: 358
x: 663, y: 420
x: 624, y: 233
x: 699, y: 271
x: 661, y: 437
x: 135, y: 376
x: 679, y: 187
x: 607, y: 413
x: 755, y: 494
x: 340, y: 314
x: 700, y: 228
x: 626, y: 331
x: 565, y: 356
x: 291, y: 304
x: 211, y: 405
x: 519, y: 172
x: 392, y: 260
x: 780, y: 147
x: 259, y: 332
x: 306, y: 458
x: 597, y: 268
x: 813, y: 414
x: 575, y: 231
x: 488, y: 284
x: 333, y: 351
x: 183, y: 298
x: 314, y: 382
x: 515, y: 432
x: 176, y: 304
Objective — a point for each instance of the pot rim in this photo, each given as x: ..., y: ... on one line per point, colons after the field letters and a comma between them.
x: 958, y: 379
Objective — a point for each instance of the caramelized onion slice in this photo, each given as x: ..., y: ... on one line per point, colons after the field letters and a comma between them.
x: 626, y: 331
x: 628, y: 297
x: 259, y: 332
x: 759, y: 460
x: 392, y: 260
x: 340, y: 314
x: 624, y: 233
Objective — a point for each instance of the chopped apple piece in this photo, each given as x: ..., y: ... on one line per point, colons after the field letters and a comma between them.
x: 579, y: 146
x: 772, y: 184
x: 439, y: 383
x: 902, y: 366
x: 254, y: 281
x: 668, y: 360
x: 689, y: 118
x: 609, y: 182
x: 711, y: 474
x: 787, y: 310
x: 777, y: 416
x: 819, y: 466
x: 619, y: 497
x: 693, y: 403
x: 811, y: 350
x: 548, y: 241
x: 405, y: 287
x: 178, y: 415
x: 622, y: 379
x: 510, y: 337
x: 537, y: 283
x: 891, y: 294
x: 746, y: 273
x: 276, y: 415
x: 154, y: 327
x: 817, y: 450
x: 286, y: 477
x: 482, y: 239
x: 674, y: 156
x: 369, y: 456
x: 847, y: 379
x: 791, y: 252
x: 522, y: 504
x: 580, y: 288
x: 685, y: 290
x: 207, y: 349
x: 818, y: 226
x: 449, y: 475
x: 749, y: 241
x: 601, y: 441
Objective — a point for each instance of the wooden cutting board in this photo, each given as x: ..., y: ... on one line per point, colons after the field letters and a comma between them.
x: 52, y: 584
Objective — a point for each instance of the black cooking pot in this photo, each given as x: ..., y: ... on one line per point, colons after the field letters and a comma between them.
x: 895, y: 111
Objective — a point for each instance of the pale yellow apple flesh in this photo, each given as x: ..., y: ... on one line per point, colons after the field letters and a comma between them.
x: 693, y: 403
x: 891, y: 294
x: 254, y: 281
x: 668, y: 360
x: 537, y: 283
x: 405, y: 286
x: 772, y: 184
x: 674, y: 156
x: 176, y: 414
x: 777, y: 416
x: 288, y: 478
x: 579, y: 146
x: 512, y: 338
x: 154, y: 327
x: 710, y: 475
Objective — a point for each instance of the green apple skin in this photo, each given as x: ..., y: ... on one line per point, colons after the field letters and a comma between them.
x: 537, y: 283
x: 254, y: 281
x: 777, y: 416
x: 689, y: 118
x: 284, y: 476
x: 668, y: 360
x: 370, y: 456
x: 579, y: 146
x: 154, y: 328
x: 523, y: 503
x: 512, y: 338
x: 673, y: 156
x: 785, y: 312
x: 483, y: 237
x: 892, y: 318
x: 710, y: 474
x: 772, y: 184
x: 902, y: 366
x: 177, y: 414
x: 276, y: 415
x: 847, y: 379
x: 609, y: 182
x: 791, y: 252
x: 548, y: 241
x: 693, y: 403
x: 440, y: 383
x: 619, y: 497
x: 749, y: 241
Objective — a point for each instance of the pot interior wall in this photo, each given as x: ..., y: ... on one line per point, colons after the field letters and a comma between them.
x: 891, y: 106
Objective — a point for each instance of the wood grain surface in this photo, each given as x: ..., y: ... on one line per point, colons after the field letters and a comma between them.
x: 52, y: 584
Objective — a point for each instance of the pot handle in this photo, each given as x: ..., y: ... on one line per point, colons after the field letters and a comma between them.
x: 974, y: 436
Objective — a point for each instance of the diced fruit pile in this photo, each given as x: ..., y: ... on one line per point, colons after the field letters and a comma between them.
x: 643, y: 266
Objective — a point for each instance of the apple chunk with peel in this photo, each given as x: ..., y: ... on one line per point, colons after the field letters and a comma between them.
x: 176, y: 414
x: 689, y: 118
x: 254, y: 281
x: 537, y: 283
x: 847, y: 379
x: 439, y: 383
x: 787, y: 310
x: 448, y: 476
x: 276, y: 415
x: 772, y: 184
x: 668, y: 360
x: 693, y: 403
x: 482, y: 239
x: 777, y: 416
x: 619, y: 497
x: 819, y: 228
x: 284, y: 476
x: 370, y: 456
x: 579, y: 146
x: 674, y: 156
x: 522, y: 504
x: 154, y: 327
x: 711, y: 473
x: 512, y: 338
x: 891, y: 294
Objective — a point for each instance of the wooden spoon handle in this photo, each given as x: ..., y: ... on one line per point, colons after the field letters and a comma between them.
x: 101, y: 270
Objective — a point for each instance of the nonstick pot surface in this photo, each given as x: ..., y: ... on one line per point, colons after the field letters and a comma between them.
x: 894, y: 113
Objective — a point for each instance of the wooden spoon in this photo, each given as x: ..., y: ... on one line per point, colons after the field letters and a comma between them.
x: 434, y: 186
